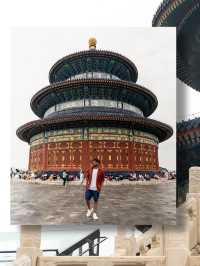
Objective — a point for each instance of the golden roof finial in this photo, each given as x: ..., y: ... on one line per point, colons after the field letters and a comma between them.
x: 92, y: 43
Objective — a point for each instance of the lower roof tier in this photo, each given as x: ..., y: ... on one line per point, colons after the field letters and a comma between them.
x: 87, y: 119
x: 116, y: 90
x: 185, y: 15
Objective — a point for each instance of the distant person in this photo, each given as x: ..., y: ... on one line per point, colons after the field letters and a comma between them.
x: 156, y: 177
x: 133, y: 176
x: 81, y: 175
x: 33, y: 175
x: 94, y: 181
x: 147, y: 177
x: 64, y: 177
x: 141, y: 177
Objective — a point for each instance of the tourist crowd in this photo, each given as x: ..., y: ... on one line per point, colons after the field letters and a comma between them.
x: 79, y: 176
x: 143, y: 176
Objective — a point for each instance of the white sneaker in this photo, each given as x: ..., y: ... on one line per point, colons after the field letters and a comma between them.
x: 89, y: 212
x: 95, y: 217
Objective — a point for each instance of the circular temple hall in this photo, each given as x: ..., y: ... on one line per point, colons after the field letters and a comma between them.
x: 93, y: 108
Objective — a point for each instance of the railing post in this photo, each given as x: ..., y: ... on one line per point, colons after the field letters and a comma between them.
x: 30, y: 243
x: 80, y: 251
x: 124, y: 246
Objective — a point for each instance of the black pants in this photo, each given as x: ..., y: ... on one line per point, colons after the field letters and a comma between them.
x: 64, y: 181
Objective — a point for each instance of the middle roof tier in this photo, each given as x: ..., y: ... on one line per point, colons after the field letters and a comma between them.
x: 111, y: 93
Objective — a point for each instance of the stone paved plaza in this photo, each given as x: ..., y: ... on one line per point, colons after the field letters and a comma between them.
x: 119, y: 204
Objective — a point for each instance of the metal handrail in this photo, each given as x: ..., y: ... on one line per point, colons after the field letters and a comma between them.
x: 104, y: 238
x: 77, y: 246
x: 88, y: 239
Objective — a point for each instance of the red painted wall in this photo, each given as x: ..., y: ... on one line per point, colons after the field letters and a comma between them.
x: 114, y: 155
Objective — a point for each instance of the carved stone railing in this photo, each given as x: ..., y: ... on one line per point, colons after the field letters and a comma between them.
x: 149, y: 243
x: 181, y: 244
x: 193, y: 207
x: 124, y: 245
x: 30, y: 241
x: 194, y: 183
x: 194, y: 261
x: 101, y: 261
x: 21, y: 261
x: 193, y: 221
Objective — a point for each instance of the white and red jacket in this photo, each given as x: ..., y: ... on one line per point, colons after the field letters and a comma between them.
x: 99, y: 181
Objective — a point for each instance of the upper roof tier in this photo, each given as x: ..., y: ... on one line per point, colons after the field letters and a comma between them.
x: 91, y: 61
x: 185, y: 15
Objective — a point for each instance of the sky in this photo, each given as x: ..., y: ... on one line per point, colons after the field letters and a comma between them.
x: 35, y: 50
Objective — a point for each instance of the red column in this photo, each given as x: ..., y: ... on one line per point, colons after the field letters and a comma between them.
x: 130, y: 156
x: 85, y: 162
x: 45, y: 156
x: 157, y: 160
x: 29, y: 160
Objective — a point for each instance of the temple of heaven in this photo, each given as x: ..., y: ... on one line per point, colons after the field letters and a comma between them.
x: 188, y: 153
x: 94, y: 108
x: 185, y: 15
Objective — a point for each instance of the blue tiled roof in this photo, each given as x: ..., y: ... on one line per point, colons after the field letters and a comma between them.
x: 189, y: 124
x: 185, y: 15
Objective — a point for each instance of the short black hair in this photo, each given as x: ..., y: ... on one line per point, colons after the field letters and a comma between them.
x: 96, y: 160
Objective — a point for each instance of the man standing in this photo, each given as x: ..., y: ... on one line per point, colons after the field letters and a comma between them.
x: 94, y: 181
